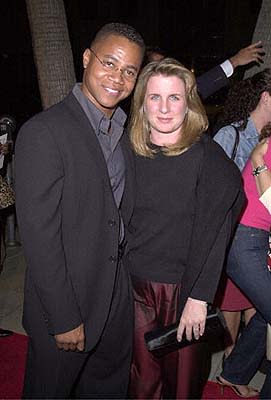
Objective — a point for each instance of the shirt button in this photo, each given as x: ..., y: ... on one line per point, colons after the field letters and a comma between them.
x: 111, y: 222
x: 113, y: 259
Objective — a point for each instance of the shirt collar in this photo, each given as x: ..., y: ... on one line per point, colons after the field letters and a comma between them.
x: 99, y: 121
x: 250, y: 131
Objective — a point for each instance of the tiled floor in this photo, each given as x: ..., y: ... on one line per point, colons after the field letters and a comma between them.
x: 11, y: 300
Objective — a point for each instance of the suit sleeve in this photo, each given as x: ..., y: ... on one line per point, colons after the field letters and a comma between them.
x: 39, y: 177
x: 211, y: 81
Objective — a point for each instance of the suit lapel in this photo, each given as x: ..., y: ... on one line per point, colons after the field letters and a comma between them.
x: 96, y: 153
x: 88, y: 135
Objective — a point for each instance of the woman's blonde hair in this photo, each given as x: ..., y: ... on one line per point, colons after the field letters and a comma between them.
x: 195, y: 122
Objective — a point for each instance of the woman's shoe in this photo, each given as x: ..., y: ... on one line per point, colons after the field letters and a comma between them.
x: 241, y: 390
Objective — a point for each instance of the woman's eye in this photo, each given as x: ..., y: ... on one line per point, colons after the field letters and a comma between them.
x: 175, y: 97
x: 154, y: 97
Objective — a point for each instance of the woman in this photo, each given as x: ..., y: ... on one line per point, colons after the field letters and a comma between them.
x: 6, y: 200
x: 245, y: 114
x: 178, y: 227
x: 248, y: 261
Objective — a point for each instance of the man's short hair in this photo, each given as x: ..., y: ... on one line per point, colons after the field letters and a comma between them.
x: 120, y: 29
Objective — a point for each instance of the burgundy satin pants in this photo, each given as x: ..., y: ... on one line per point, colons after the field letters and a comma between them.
x: 178, y: 375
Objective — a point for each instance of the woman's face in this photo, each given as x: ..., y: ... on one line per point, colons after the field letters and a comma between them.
x: 165, y: 106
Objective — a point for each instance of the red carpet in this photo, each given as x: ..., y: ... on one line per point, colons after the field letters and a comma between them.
x: 213, y: 391
x: 12, y: 364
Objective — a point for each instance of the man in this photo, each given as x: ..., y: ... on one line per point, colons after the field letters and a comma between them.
x: 217, y: 77
x: 70, y: 176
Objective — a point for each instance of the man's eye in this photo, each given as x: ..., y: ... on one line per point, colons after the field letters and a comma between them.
x: 109, y: 64
x: 130, y: 73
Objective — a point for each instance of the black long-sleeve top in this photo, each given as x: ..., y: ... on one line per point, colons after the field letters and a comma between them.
x: 183, y: 215
x: 162, y: 223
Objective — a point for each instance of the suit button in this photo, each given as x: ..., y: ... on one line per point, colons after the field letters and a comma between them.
x: 111, y: 222
x: 113, y: 259
x: 46, y: 320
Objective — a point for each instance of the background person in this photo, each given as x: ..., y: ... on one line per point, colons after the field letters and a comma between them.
x: 248, y: 256
x: 247, y: 109
x: 7, y: 199
x: 176, y: 246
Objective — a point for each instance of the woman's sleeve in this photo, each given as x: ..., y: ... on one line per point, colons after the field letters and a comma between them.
x: 219, y: 202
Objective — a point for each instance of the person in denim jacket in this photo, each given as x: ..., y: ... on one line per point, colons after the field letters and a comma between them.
x: 248, y: 139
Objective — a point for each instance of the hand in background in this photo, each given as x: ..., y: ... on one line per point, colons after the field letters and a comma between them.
x: 254, y: 52
x: 257, y: 155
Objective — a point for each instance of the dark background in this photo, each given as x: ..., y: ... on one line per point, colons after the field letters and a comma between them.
x: 200, y: 33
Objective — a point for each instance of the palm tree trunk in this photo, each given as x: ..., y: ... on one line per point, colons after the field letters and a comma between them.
x: 52, y: 49
x: 263, y: 32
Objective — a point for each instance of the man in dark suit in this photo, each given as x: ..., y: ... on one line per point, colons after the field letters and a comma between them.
x: 70, y: 176
x: 217, y: 77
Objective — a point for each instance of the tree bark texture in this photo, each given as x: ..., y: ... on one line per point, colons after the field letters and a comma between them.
x: 263, y: 32
x: 52, y: 49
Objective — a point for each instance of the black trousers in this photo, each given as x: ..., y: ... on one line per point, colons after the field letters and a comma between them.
x: 100, y: 374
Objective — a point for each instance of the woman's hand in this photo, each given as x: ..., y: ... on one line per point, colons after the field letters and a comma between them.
x: 193, y: 319
x: 257, y: 155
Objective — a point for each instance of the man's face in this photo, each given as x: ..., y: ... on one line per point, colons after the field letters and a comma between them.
x: 108, y: 82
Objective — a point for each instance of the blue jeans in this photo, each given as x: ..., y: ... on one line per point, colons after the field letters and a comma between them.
x: 247, y: 266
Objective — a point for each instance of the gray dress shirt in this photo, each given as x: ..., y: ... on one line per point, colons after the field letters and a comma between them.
x: 109, y: 132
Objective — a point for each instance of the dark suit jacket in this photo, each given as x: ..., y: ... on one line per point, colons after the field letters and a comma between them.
x: 211, y: 81
x: 68, y: 221
x: 220, y: 200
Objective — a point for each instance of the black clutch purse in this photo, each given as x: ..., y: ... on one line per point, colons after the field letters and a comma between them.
x: 164, y: 340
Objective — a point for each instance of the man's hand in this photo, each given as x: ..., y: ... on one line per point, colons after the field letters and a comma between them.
x: 4, y: 149
x: 254, y: 52
x: 72, y: 340
x: 192, y: 320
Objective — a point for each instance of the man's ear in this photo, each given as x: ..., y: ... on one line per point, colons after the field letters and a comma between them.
x: 86, y: 58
